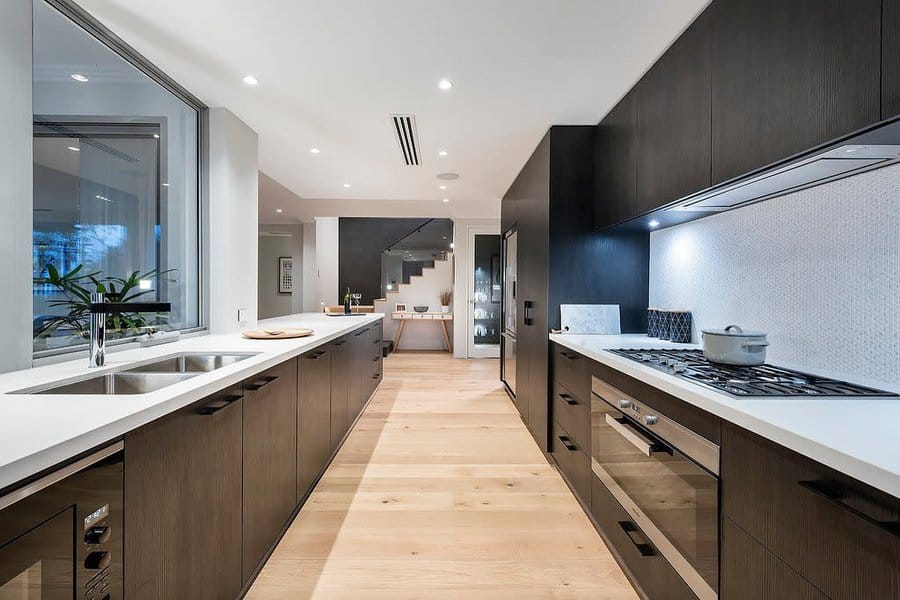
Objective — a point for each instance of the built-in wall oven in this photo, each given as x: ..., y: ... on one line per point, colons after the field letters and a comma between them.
x: 61, y: 535
x: 665, y: 476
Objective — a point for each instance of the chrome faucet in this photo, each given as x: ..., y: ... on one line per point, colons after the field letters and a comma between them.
x: 100, y: 308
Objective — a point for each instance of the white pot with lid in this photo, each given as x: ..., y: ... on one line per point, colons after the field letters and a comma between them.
x: 734, y: 346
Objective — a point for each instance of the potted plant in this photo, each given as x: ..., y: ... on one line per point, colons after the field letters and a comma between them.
x: 74, y: 289
x: 446, y: 297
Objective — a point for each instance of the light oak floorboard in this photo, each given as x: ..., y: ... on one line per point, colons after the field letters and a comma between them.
x: 440, y: 492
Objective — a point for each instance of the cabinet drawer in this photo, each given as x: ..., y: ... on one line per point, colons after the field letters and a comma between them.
x: 573, y: 461
x: 749, y: 571
x: 818, y: 521
x: 573, y: 371
x: 652, y: 573
x: 574, y: 415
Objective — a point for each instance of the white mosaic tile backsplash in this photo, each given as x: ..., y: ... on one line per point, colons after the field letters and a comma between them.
x: 818, y: 270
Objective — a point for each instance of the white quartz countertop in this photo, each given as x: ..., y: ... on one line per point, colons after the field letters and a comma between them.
x: 856, y: 436
x: 40, y: 431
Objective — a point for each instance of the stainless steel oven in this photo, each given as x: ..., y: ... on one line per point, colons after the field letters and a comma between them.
x: 665, y: 476
x: 61, y: 535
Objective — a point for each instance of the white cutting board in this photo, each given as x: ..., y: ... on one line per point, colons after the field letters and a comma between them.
x: 590, y: 318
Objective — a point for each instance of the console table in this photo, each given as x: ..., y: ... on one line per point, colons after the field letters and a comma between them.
x: 427, y: 317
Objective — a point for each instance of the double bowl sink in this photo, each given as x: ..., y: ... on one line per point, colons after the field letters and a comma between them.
x: 147, y: 377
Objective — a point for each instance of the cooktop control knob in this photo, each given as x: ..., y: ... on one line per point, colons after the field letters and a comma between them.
x: 650, y: 420
x: 646, y: 357
x: 97, y: 535
x: 97, y: 560
x: 679, y: 367
x: 623, y: 404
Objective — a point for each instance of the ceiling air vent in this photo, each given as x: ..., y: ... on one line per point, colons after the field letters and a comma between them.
x: 405, y: 129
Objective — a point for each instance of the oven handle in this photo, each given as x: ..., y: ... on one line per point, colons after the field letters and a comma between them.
x: 646, y: 445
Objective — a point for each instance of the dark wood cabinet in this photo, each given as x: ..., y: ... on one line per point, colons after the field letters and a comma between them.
x: 183, y: 503
x: 269, y: 459
x: 750, y: 572
x: 561, y: 259
x: 615, y: 164
x: 673, y: 125
x: 788, y: 76
x: 822, y: 524
x: 373, y: 359
x: 573, y: 461
x: 341, y: 356
x: 313, y: 418
x: 360, y: 374
x: 890, y: 59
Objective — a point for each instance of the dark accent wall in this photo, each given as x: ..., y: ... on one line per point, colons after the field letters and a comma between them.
x: 360, y: 243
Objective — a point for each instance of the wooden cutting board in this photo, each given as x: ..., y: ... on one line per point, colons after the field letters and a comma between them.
x: 280, y: 333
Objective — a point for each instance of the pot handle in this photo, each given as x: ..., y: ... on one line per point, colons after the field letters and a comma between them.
x: 734, y: 328
x: 754, y: 346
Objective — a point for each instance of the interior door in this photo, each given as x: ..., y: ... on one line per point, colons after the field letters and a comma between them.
x: 484, y: 286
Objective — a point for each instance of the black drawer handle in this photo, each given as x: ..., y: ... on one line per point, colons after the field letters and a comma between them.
x: 568, y: 355
x: 316, y: 355
x: 340, y: 342
x: 262, y: 382
x: 377, y: 342
x: 570, y: 446
x: 835, y: 493
x: 376, y: 359
x: 376, y: 376
x: 217, y: 405
x: 569, y: 399
x: 631, y: 531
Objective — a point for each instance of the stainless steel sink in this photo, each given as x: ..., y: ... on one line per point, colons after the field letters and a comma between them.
x: 190, y: 363
x: 145, y: 378
x: 118, y: 383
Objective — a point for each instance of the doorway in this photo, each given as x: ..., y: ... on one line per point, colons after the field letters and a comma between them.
x: 483, y: 287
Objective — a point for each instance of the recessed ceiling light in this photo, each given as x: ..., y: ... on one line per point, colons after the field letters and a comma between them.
x: 74, y: 148
x: 443, y: 187
x: 451, y: 245
x: 654, y: 223
x: 165, y: 185
x: 442, y: 153
x: 278, y: 210
x: 346, y: 185
x: 445, y: 84
x: 79, y: 77
x: 156, y: 136
x: 249, y: 80
x: 314, y: 150
x: 104, y: 198
x: 446, y: 200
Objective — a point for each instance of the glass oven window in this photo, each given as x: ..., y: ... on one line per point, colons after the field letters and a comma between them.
x: 39, y: 565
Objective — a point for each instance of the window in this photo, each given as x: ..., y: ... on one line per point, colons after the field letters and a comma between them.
x: 116, y: 187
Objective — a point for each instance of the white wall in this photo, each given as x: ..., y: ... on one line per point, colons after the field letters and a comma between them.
x: 309, y: 272
x: 462, y: 284
x: 327, y: 261
x: 276, y: 241
x: 819, y: 270
x: 233, y: 221
x: 15, y: 183
x: 422, y: 290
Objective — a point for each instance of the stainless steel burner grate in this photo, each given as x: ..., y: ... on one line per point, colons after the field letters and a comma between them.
x: 763, y: 380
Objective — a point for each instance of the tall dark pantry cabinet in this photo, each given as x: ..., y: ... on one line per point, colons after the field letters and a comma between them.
x: 561, y: 259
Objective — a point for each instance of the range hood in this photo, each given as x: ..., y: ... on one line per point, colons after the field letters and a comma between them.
x: 874, y: 149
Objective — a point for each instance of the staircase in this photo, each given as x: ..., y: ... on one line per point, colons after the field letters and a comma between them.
x: 422, y: 289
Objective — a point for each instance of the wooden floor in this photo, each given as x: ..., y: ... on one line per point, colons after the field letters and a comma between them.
x: 440, y: 492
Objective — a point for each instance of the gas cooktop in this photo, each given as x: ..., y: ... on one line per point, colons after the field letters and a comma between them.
x: 762, y: 380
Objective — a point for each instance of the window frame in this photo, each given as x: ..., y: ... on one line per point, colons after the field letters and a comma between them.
x: 105, y: 36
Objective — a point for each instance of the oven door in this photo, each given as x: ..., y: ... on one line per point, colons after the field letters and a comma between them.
x: 671, y: 498
x: 37, y: 565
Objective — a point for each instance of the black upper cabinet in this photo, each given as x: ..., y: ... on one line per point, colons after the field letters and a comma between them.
x: 615, y: 164
x: 673, y: 121
x: 788, y: 76
x: 890, y: 59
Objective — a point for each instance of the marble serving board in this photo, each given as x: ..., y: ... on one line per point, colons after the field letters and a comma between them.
x: 590, y: 318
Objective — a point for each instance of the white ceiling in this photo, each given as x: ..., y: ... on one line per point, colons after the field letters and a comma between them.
x: 331, y: 71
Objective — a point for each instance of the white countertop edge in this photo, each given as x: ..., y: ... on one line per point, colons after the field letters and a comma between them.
x: 852, y: 453
x: 20, y: 459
